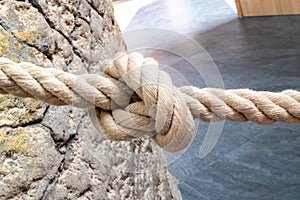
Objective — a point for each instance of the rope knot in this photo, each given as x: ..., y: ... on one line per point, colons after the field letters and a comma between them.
x: 151, y: 105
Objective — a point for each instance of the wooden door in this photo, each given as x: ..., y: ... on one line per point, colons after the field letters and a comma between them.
x: 247, y: 8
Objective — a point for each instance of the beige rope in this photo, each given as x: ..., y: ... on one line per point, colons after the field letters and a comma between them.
x: 132, y: 98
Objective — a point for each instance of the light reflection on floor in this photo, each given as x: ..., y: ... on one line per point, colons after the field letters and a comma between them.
x: 125, y: 10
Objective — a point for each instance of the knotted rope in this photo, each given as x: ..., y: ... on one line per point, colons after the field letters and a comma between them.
x: 133, y: 97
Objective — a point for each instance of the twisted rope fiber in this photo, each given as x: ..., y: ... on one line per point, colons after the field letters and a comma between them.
x: 132, y: 98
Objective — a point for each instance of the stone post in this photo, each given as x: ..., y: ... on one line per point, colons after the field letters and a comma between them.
x: 55, y: 153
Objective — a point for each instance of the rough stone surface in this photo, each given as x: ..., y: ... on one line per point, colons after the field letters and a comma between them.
x: 54, y: 152
x: 17, y: 112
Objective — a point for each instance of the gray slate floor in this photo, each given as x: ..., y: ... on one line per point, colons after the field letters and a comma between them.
x: 249, y: 161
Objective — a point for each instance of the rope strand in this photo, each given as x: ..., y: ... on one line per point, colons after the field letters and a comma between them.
x: 132, y: 97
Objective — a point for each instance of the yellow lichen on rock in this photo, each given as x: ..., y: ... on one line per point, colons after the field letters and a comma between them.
x: 25, y: 35
x: 23, y: 5
x: 17, y: 45
x: 27, y: 154
x: 3, y: 171
x: 8, y: 46
x: 14, y: 141
x: 4, y: 40
x: 13, y: 49
x: 19, y: 111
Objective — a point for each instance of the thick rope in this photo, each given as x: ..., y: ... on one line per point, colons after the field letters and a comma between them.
x: 132, y: 98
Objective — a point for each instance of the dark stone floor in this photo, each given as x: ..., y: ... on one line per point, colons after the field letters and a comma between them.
x: 249, y: 161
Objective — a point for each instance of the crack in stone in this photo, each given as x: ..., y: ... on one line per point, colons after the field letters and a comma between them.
x: 88, y: 189
x: 95, y: 9
x: 7, y: 28
x: 51, y: 183
x: 31, y: 123
x: 64, y: 161
x: 74, y: 49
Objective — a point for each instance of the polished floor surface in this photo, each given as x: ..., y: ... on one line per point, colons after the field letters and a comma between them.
x: 249, y: 161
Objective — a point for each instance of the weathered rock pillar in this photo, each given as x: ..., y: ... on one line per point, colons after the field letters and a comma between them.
x: 55, y: 153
